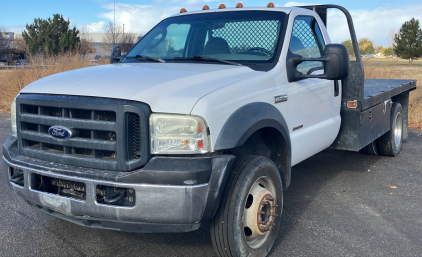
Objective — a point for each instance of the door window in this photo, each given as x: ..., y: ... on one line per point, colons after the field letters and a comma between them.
x: 307, y: 41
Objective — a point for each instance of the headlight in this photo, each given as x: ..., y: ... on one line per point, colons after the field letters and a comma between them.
x: 178, y: 134
x: 13, y: 116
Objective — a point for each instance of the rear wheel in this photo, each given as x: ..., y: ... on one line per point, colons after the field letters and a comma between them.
x: 390, y: 143
x: 371, y: 148
x: 248, y: 218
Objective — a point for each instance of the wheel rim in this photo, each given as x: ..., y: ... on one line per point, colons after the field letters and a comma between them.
x: 398, y: 126
x: 259, y: 212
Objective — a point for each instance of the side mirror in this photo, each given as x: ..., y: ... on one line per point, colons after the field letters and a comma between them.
x: 335, y: 59
x: 116, y: 54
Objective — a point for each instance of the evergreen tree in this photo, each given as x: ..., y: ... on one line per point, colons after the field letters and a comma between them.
x: 408, y: 41
x: 51, y: 36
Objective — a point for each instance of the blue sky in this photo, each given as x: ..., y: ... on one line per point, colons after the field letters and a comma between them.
x: 373, y: 18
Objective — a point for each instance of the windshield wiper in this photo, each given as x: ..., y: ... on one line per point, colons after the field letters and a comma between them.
x: 140, y: 57
x: 206, y: 58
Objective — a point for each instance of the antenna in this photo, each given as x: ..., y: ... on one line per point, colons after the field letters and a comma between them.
x: 114, y: 25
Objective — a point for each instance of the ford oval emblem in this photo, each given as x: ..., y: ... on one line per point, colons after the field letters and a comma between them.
x: 60, y: 132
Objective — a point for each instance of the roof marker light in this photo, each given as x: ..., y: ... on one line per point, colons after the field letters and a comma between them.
x: 206, y: 7
x: 270, y: 5
x: 239, y: 5
x: 183, y: 10
x: 221, y: 6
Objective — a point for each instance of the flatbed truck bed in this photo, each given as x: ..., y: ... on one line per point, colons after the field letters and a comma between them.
x: 376, y: 91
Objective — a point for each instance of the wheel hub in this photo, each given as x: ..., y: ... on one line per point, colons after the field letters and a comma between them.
x: 259, y: 212
x: 398, y: 126
x: 266, y: 213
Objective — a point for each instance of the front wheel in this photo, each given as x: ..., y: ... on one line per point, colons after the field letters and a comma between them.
x: 248, y: 219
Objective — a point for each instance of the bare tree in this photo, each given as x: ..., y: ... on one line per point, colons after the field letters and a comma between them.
x: 113, y: 34
x: 128, y: 41
x: 20, y: 45
x: 21, y: 49
x: 391, y: 35
x: 85, y: 46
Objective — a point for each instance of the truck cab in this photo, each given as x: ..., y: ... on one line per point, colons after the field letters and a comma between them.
x: 201, y: 120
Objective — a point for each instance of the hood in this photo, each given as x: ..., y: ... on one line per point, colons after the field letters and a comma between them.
x: 165, y: 87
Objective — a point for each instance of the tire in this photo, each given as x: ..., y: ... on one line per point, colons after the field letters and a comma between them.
x: 371, y: 148
x: 390, y: 143
x: 253, y: 194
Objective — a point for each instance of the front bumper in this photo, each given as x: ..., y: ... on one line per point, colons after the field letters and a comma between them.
x: 159, y: 207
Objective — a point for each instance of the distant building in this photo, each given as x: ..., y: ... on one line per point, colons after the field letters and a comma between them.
x: 9, y: 51
x: 6, y: 45
x: 101, y: 48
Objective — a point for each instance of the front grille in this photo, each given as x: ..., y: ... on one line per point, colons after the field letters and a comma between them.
x: 107, y: 134
x: 134, y: 136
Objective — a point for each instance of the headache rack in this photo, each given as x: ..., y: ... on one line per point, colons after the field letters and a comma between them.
x: 108, y: 134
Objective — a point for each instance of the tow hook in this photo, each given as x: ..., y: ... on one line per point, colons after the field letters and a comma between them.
x: 17, y: 178
x: 114, y: 197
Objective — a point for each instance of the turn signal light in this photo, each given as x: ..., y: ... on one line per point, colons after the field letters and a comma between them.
x: 206, y: 7
x: 221, y: 6
x: 270, y: 5
x: 352, y: 104
x: 239, y: 5
x: 183, y: 10
x: 200, y: 144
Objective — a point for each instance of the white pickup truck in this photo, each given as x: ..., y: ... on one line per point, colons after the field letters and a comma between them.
x: 202, y: 120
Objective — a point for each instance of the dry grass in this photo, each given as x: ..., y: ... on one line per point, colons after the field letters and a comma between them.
x: 391, y: 69
x: 12, y: 81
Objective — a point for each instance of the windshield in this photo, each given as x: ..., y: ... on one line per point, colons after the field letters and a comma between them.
x: 245, y: 37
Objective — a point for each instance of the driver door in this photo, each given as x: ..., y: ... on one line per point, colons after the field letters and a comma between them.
x: 319, y: 120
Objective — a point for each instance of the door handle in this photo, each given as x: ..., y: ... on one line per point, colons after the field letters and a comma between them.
x: 336, y: 88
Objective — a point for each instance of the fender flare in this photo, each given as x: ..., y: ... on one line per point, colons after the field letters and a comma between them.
x: 247, y: 120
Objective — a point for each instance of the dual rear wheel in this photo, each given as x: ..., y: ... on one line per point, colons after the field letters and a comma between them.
x: 390, y: 143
